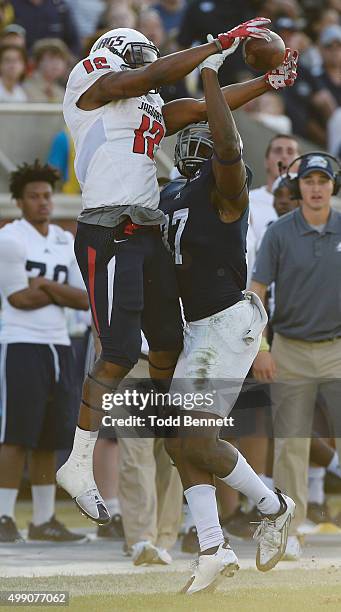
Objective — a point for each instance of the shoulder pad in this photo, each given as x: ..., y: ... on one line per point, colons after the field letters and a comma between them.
x: 173, y: 187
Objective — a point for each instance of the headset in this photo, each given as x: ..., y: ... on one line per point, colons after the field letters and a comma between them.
x: 293, y: 183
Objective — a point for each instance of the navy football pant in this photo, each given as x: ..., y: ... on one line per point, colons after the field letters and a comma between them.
x: 131, y: 284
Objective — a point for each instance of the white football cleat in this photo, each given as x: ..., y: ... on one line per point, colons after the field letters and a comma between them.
x: 293, y: 551
x: 209, y: 570
x: 81, y: 485
x: 145, y: 553
x: 164, y: 557
x: 272, y: 534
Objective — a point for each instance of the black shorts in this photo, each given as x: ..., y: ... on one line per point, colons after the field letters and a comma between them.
x: 131, y: 284
x: 38, y: 396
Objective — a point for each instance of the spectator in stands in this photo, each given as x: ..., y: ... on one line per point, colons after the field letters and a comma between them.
x: 329, y: 77
x: 13, y: 35
x: 330, y: 73
x: 317, y: 95
x: 301, y: 106
x: 62, y: 157
x: 46, y: 19
x: 171, y: 13
x: 281, y: 150
x: 202, y: 18
x: 120, y: 15
x: 6, y: 14
x: 276, y: 8
x: 269, y: 109
x: 12, y: 71
x: 290, y: 30
x: 334, y: 133
x: 150, y: 24
x: 323, y: 18
x: 87, y: 14
x: 51, y: 57
x: 301, y: 254
x: 39, y: 276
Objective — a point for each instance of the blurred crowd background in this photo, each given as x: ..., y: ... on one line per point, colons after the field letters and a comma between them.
x: 41, y: 40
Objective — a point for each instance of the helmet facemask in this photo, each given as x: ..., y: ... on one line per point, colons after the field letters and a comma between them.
x: 194, y: 146
x: 132, y: 47
x: 136, y: 55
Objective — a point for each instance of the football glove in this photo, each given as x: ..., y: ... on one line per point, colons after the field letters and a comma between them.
x: 216, y: 61
x: 254, y: 28
x: 285, y: 74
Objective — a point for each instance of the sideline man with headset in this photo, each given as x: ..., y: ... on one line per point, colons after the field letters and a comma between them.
x: 301, y: 253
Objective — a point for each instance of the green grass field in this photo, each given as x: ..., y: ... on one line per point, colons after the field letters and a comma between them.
x: 249, y: 591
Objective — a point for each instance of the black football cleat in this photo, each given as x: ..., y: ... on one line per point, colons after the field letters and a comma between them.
x: 54, y: 531
x: 113, y: 530
x: 9, y: 533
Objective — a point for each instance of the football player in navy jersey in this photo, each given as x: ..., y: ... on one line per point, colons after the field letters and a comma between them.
x: 207, y: 219
x: 117, y: 121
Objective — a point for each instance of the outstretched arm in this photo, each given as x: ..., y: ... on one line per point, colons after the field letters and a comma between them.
x: 169, y: 69
x: 180, y: 113
x: 230, y: 195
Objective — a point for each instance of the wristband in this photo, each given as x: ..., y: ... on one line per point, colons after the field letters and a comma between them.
x: 218, y: 45
x: 264, y: 345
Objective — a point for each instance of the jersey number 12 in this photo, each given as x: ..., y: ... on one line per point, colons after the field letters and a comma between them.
x: 148, y: 137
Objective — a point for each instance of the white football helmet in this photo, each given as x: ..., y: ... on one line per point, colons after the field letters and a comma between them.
x: 130, y: 45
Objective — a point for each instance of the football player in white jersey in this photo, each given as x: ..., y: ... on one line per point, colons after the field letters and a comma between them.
x: 39, y: 275
x: 117, y: 120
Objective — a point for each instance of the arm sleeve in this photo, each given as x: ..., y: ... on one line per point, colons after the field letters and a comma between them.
x: 70, y: 31
x: 13, y: 275
x: 267, y: 259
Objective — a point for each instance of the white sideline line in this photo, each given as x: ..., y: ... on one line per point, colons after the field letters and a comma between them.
x: 116, y: 568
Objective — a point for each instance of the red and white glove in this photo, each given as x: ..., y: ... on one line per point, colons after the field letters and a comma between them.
x: 285, y: 74
x: 216, y: 61
x: 254, y: 28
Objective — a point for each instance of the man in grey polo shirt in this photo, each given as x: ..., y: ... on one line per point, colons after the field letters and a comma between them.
x: 301, y: 253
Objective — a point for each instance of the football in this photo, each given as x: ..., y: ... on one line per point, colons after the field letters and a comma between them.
x: 259, y: 54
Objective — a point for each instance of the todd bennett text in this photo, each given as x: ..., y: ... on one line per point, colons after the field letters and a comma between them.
x: 184, y: 420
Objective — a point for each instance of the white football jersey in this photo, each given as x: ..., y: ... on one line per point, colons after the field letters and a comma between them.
x: 24, y: 254
x: 262, y: 212
x: 115, y: 144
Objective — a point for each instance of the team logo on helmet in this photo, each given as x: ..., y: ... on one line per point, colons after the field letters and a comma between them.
x: 131, y: 46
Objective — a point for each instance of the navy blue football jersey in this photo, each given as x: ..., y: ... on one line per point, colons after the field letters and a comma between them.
x: 210, y: 256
